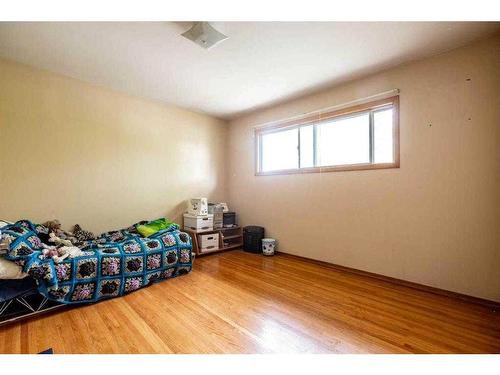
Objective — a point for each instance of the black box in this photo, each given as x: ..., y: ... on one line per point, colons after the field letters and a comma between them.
x: 229, y: 219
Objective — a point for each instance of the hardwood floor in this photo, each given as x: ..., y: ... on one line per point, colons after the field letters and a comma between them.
x: 237, y: 302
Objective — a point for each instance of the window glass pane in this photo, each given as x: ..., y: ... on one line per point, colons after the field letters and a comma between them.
x: 383, y: 143
x: 306, y: 146
x: 345, y: 141
x: 280, y: 150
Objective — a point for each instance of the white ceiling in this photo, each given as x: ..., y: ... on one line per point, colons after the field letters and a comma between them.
x: 262, y: 63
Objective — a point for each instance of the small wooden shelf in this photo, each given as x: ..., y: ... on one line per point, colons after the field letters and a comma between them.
x: 209, y: 251
x: 235, y: 246
x: 231, y: 238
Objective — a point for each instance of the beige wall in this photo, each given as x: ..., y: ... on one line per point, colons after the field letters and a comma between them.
x: 435, y: 220
x: 80, y: 153
x: 88, y: 155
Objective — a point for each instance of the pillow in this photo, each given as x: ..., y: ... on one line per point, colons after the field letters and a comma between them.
x: 4, y: 223
x: 153, y: 227
x: 10, y: 270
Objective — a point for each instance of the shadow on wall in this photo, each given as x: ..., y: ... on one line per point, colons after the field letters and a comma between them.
x: 175, y: 214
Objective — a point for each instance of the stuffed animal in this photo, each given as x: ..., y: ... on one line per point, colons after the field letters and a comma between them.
x: 57, y: 254
x: 82, y: 235
x: 55, y: 227
x: 71, y: 251
x: 59, y: 241
x: 62, y: 249
x: 65, y: 247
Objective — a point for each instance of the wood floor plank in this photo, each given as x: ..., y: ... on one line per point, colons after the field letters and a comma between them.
x: 398, y: 314
x: 235, y: 302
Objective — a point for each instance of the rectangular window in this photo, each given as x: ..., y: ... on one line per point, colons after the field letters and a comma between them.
x: 360, y: 137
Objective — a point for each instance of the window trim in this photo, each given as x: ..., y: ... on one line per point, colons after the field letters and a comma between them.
x: 340, y: 113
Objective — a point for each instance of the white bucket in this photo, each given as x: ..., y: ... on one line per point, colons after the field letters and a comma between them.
x: 268, y: 246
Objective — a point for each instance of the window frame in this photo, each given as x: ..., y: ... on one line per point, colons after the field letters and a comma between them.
x: 347, y: 112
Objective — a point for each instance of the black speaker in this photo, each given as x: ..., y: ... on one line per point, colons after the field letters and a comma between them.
x: 252, y: 239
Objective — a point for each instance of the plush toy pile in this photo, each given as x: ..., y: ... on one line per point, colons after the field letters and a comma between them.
x: 59, y: 244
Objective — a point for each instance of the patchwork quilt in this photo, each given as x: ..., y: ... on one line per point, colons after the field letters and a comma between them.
x: 113, y: 264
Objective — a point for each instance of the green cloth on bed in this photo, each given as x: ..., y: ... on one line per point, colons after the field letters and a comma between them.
x: 153, y: 227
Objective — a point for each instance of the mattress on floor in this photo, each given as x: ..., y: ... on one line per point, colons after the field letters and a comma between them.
x: 10, y: 289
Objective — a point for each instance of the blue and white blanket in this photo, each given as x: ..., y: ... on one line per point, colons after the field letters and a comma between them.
x: 114, y: 264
